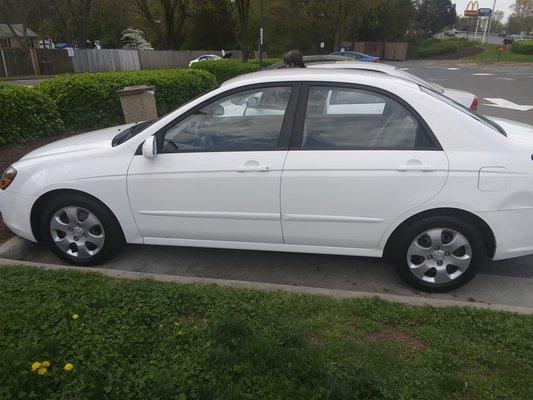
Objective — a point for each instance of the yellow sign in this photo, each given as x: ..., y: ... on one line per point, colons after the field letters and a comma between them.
x: 472, y: 9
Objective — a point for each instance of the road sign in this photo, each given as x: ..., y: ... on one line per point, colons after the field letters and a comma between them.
x: 501, y: 48
x: 485, y: 12
x: 472, y: 9
x: 322, y: 45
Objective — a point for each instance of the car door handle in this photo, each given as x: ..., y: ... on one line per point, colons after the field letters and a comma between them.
x: 253, y: 168
x: 416, y: 167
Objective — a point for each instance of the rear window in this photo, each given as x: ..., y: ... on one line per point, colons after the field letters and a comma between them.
x: 467, y: 111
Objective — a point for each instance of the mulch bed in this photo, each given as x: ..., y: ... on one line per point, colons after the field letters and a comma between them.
x: 10, y: 153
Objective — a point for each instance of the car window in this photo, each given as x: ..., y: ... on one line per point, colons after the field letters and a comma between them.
x: 345, y: 118
x: 467, y: 111
x: 245, y: 121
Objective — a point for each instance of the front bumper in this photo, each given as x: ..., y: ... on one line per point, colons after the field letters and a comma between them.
x: 16, y: 210
x: 513, y: 231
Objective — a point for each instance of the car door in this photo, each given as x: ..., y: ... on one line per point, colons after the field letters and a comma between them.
x: 218, y: 169
x: 359, y: 159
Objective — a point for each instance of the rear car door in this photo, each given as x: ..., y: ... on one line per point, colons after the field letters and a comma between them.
x: 360, y: 157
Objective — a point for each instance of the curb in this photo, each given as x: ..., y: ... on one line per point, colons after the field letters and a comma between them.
x: 271, y: 287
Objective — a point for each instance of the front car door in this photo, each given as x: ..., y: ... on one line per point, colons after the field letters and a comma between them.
x: 360, y: 158
x: 217, y: 173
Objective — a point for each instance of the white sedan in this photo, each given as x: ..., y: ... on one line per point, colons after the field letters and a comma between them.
x: 355, y: 163
x: 205, y: 57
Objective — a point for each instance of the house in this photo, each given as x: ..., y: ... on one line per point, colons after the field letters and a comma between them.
x: 8, y: 39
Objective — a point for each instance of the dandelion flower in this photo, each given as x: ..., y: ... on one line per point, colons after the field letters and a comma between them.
x: 45, y: 364
x: 35, y: 366
x: 68, y: 367
x: 75, y: 316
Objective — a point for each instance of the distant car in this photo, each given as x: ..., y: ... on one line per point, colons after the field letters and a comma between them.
x: 450, y: 33
x: 205, y: 57
x: 466, y: 99
x: 501, y: 34
x: 357, y: 56
x: 509, y: 39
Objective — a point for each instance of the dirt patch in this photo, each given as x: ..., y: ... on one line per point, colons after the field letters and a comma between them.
x: 9, y: 153
x: 392, y: 335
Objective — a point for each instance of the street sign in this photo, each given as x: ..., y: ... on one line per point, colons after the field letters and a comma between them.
x: 322, y: 45
x: 472, y: 9
x: 501, y: 48
x: 485, y: 12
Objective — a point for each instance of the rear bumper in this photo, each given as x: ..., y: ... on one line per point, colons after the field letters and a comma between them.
x: 16, y: 209
x: 513, y: 231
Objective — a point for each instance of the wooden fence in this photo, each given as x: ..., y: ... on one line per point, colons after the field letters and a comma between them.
x: 105, y: 60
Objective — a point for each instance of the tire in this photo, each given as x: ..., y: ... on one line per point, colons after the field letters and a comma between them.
x: 90, y: 230
x: 430, y: 266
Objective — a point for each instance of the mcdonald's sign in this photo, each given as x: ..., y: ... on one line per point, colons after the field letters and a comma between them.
x: 472, y: 9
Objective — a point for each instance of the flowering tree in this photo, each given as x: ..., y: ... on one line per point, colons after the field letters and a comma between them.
x: 133, y: 39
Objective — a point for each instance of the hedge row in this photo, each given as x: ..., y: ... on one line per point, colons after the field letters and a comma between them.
x: 26, y: 114
x: 227, y: 69
x: 522, y: 47
x: 435, y: 47
x: 90, y: 100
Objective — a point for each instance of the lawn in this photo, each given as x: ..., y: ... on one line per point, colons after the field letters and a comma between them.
x: 153, y: 340
x: 490, y: 54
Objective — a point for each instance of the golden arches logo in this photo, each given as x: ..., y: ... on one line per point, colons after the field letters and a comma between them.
x: 472, y: 9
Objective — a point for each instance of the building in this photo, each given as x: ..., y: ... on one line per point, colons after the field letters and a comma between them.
x: 8, y: 39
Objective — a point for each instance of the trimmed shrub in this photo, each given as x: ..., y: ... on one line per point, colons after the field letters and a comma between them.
x: 522, y: 47
x: 90, y: 100
x: 26, y: 113
x: 227, y: 69
x: 435, y: 47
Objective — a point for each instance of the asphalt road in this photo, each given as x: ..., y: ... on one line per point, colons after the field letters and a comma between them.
x: 507, y: 282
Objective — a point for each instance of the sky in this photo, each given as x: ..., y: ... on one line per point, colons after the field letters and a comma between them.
x: 500, y: 5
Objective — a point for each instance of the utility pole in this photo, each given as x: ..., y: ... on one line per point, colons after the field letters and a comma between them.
x: 261, y: 35
x: 492, y: 16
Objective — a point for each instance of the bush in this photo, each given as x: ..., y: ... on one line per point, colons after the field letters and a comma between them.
x: 26, y: 114
x: 435, y: 47
x: 227, y: 69
x: 522, y: 47
x: 90, y: 100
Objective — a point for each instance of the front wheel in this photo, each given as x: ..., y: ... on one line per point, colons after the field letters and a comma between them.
x: 79, y: 230
x: 439, y: 254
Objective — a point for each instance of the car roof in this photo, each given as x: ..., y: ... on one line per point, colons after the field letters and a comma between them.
x: 366, y: 77
x: 355, y: 65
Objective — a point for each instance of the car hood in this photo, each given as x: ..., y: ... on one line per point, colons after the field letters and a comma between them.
x: 517, y: 132
x: 84, y: 141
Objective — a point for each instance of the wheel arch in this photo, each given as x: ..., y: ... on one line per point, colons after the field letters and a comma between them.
x: 485, y: 230
x: 44, y: 198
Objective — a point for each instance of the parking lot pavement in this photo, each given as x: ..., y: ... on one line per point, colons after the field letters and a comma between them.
x: 511, y: 82
x: 507, y: 283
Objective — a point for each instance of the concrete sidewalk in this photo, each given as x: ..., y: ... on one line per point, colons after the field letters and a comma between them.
x: 500, y: 285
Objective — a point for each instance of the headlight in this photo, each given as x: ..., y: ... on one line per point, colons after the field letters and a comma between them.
x: 7, y: 177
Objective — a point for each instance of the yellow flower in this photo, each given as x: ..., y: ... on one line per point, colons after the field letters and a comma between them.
x: 46, y: 364
x: 42, y: 371
x: 68, y: 367
x: 35, y: 366
x: 75, y: 316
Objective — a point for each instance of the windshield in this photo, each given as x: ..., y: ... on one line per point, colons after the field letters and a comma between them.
x: 467, y: 111
x: 413, y: 78
x: 130, y: 132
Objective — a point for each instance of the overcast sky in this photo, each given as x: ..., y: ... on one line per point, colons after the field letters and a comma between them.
x: 500, y: 5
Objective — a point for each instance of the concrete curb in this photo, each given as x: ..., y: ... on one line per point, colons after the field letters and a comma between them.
x: 271, y: 287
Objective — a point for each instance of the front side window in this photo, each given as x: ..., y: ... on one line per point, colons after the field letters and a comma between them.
x: 245, y: 121
x: 346, y: 118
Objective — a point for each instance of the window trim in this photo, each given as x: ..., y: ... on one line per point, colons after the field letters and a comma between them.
x: 299, y: 123
x: 286, y: 126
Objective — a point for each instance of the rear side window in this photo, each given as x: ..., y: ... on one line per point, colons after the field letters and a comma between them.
x: 347, y: 118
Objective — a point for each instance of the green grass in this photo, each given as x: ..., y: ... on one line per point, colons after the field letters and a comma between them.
x: 152, y: 340
x: 490, y: 54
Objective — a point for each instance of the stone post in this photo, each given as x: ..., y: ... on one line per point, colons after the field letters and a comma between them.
x: 138, y: 103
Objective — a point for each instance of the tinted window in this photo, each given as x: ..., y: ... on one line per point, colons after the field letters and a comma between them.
x: 249, y: 120
x: 343, y: 118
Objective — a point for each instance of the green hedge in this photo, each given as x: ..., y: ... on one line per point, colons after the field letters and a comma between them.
x: 90, y: 100
x: 227, y: 69
x: 435, y: 47
x: 522, y: 47
x: 25, y: 114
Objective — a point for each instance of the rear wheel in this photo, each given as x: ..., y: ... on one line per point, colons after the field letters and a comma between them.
x: 80, y: 230
x: 439, y: 254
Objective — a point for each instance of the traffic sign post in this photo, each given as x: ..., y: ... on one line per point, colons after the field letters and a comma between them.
x: 500, y: 49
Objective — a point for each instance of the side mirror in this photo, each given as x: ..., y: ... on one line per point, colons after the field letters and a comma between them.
x: 149, y: 148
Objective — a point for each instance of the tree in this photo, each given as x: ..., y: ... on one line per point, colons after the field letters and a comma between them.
x: 74, y: 18
x: 432, y: 16
x: 13, y: 12
x: 389, y: 20
x: 242, y: 8
x: 521, y: 20
x: 133, y: 39
x: 211, y: 25
x: 165, y: 18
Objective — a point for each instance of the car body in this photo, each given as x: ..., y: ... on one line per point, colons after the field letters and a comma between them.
x: 464, y: 98
x: 509, y: 39
x: 205, y: 57
x: 353, y: 163
x: 355, y: 55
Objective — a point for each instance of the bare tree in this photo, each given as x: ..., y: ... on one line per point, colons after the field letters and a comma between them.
x: 243, y: 31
